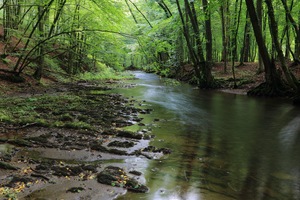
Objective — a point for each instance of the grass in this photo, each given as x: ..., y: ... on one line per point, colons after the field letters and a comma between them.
x: 105, y: 73
x: 47, y: 110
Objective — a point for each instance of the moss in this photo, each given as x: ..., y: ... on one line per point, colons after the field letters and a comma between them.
x: 78, y: 125
x: 66, y: 117
x: 4, y: 116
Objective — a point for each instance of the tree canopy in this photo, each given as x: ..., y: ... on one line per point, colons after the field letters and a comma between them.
x: 157, y: 35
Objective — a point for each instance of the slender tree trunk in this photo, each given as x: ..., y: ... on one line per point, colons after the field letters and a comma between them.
x: 130, y: 10
x: 187, y: 36
x: 296, y: 27
x: 270, y: 75
x: 208, y: 78
x: 141, y: 13
x: 167, y: 11
x: 274, y: 34
x: 59, y: 10
x: 244, y: 57
x: 259, y: 16
x: 19, y: 66
x: 235, y: 30
x: 224, y: 17
x: 41, y: 26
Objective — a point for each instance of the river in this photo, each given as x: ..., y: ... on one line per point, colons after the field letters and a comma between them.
x: 224, y: 146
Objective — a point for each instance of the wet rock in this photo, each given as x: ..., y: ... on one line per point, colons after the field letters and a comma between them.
x: 118, y: 152
x: 16, y: 180
x: 76, y: 189
x: 157, y: 150
x: 20, y: 142
x: 128, y: 134
x: 148, y: 137
x: 98, y: 147
x: 110, y: 175
x: 43, y: 167
x: 40, y: 176
x: 67, y: 170
x: 43, y: 139
x: 125, y: 144
x: 134, y: 172
x: 91, y: 168
x: 146, y: 111
x: 7, y: 166
x: 116, y: 176
x: 134, y: 186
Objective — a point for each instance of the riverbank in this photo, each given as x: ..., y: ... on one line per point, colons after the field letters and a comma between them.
x: 247, y: 76
x: 67, y: 140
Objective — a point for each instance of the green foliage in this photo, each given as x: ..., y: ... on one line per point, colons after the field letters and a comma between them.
x: 9, y: 193
x: 105, y: 31
x: 32, y: 110
x: 104, y: 73
x: 52, y: 64
x: 4, y: 116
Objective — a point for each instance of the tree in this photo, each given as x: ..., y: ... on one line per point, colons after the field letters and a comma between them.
x: 273, y: 85
x: 225, y: 27
x: 201, y: 65
x: 274, y: 33
x: 207, y: 65
x: 296, y: 27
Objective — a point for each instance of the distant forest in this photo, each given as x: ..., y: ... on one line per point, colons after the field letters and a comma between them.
x: 161, y: 35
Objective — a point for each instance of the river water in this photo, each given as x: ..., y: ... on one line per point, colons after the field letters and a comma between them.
x: 225, y: 146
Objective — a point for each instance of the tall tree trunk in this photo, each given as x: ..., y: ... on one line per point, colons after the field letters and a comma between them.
x: 20, y: 64
x: 187, y: 36
x: 235, y: 30
x: 206, y: 68
x: 259, y: 16
x: 245, y: 52
x: 130, y: 10
x: 296, y: 27
x: 274, y: 33
x: 224, y: 16
x: 41, y: 26
x: 59, y: 10
x: 273, y: 85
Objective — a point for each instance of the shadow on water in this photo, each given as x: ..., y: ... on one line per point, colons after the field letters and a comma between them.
x: 224, y: 146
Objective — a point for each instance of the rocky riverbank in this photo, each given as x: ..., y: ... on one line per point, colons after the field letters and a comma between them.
x: 67, y: 141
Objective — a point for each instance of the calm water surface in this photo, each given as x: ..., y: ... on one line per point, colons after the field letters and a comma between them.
x: 225, y: 146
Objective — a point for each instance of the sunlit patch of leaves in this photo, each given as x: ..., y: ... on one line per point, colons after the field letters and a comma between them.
x: 121, y: 179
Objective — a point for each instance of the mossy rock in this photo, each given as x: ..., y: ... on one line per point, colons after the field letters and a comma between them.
x: 117, y: 177
x: 125, y: 144
x: 4, y: 165
x: 118, y: 152
x: 67, y: 170
x: 20, y: 142
x: 128, y: 134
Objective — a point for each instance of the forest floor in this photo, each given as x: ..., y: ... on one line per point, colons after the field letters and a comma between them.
x: 247, y: 76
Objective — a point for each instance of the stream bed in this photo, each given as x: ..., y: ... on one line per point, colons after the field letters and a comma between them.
x: 224, y: 146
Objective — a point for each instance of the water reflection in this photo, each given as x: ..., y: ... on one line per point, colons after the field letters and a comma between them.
x: 224, y: 146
